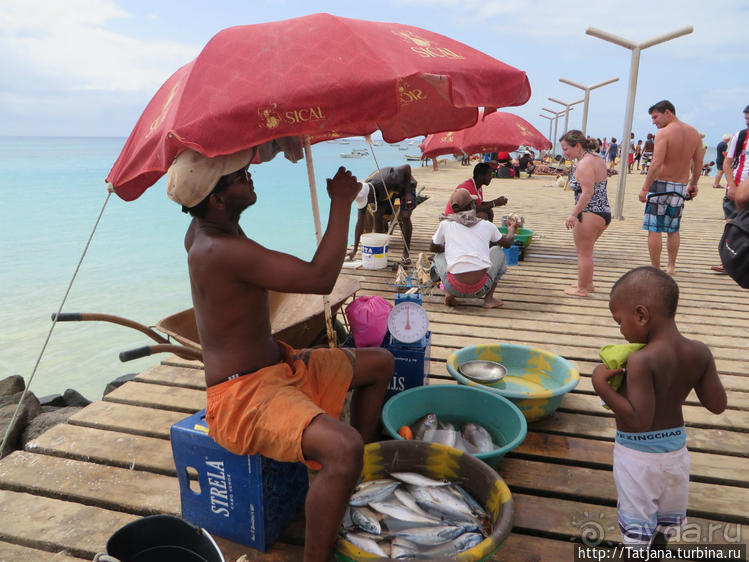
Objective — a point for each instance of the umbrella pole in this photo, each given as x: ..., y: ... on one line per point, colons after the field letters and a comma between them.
x: 318, y: 235
x: 312, y: 188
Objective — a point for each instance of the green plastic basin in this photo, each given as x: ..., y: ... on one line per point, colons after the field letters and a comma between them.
x: 459, y: 404
x: 523, y: 236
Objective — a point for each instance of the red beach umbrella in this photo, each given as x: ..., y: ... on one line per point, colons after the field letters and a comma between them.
x: 496, y: 132
x: 312, y: 78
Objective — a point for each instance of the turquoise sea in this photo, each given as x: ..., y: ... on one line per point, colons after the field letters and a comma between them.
x: 51, y: 192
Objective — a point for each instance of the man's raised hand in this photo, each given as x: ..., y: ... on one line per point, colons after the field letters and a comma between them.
x: 343, y: 186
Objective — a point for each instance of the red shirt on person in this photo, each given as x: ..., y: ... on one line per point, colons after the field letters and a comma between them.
x: 470, y: 185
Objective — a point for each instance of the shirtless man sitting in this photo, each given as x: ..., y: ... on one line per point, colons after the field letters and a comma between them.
x: 262, y: 396
x: 677, y: 159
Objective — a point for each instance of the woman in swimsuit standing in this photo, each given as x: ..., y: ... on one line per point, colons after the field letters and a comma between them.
x: 591, y: 214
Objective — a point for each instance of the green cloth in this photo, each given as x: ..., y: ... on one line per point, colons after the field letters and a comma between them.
x: 615, y: 356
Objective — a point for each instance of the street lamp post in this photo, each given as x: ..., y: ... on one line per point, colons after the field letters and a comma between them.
x: 557, y: 115
x: 636, y: 48
x: 567, y: 109
x: 551, y: 122
x: 587, y: 90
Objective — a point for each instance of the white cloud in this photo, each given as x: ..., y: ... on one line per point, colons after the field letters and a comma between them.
x: 68, y: 42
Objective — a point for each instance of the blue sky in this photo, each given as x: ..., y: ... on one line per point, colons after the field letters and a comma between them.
x: 89, y: 67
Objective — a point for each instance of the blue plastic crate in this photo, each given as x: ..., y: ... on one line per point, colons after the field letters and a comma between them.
x: 411, y: 362
x: 246, y: 499
x: 512, y: 254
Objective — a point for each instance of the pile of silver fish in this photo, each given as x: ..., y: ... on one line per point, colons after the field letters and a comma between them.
x: 410, y: 516
x: 472, y: 438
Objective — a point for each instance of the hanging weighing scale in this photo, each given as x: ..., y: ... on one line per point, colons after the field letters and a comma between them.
x: 408, y: 322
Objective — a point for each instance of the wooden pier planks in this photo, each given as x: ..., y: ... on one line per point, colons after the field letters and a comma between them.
x: 80, y: 482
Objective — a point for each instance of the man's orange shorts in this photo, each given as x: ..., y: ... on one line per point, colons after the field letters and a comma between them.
x: 267, y: 411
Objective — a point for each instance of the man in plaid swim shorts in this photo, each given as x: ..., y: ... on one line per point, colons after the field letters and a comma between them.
x: 672, y: 178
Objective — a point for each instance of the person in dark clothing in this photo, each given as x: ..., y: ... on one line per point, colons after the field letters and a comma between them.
x: 526, y: 164
x: 721, y: 150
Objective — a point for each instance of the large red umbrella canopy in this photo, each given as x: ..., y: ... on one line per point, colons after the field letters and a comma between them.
x: 319, y: 76
x: 496, y: 132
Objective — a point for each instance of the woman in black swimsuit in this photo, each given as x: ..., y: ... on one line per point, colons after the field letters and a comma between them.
x: 591, y: 214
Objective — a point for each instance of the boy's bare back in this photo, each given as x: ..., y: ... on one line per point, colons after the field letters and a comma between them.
x: 660, y: 376
x: 667, y: 370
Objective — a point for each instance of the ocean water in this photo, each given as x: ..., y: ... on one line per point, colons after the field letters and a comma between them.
x: 51, y: 192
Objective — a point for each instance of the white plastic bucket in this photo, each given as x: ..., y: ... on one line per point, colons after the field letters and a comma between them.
x: 374, y: 250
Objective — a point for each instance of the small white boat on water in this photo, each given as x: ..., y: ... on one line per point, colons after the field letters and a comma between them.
x: 356, y: 153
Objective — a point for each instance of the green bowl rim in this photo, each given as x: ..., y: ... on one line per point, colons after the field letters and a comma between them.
x: 454, y: 373
x: 491, y: 454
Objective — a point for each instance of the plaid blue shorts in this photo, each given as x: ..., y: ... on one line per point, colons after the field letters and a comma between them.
x: 665, y: 203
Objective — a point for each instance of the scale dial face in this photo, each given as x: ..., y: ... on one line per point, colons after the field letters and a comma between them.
x: 408, y: 322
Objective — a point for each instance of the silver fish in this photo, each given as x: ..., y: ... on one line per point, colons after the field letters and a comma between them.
x: 417, y: 479
x: 444, y: 436
x: 366, y: 520
x: 470, y: 500
x: 434, y: 499
x: 408, y: 500
x: 366, y: 544
x: 455, y: 546
x: 402, y: 513
x: 369, y: 483
x: 427, y: 422
x: 429, y: 535
x: 479, y: 437
x: 402, y: 549
x: 464, y: 445
x: 373, y: 493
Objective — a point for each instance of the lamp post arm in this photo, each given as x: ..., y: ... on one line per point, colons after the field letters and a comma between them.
x: 666, y: 37
x: 606, y: 36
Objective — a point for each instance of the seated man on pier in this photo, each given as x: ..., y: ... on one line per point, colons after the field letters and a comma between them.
x: 376, y: 204
x: 464, y: 261
x: 482, y: 175
x: 263, y: 396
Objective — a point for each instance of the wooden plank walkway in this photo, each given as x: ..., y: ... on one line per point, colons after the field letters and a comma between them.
x: 79, y: 482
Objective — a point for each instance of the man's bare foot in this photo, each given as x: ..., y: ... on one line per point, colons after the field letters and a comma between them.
x: 492, y: 303
x: 450, y: 300
x: 671, y: 269
x: 576, y: 292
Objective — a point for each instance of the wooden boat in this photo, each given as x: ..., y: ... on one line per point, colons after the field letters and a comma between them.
x: 412, y: 158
